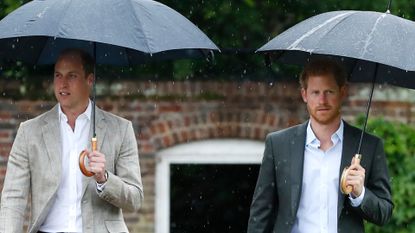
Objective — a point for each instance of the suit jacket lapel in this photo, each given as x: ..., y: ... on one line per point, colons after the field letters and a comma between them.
x: 101, y: 130
x: 350, y: 143
x: 297, y: 144
x: 52, y: 140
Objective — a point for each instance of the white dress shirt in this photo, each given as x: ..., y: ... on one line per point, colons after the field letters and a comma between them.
x: 317, y: 212
x: 65, y: 214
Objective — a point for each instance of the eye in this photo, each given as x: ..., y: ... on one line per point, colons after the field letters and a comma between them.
x: 73, y: 76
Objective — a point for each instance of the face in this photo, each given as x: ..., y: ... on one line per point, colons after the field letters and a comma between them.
x: 71, y: 85
x: 324, y: 98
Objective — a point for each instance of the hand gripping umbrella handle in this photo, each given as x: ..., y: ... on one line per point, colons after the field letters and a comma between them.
x: 347, y: 189
x: 82, y: 158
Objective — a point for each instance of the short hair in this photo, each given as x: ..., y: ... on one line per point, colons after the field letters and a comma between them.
x: 87, y: 60
x: 323, y: 67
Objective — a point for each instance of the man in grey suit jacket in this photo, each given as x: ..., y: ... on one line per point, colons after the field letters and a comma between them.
x: 43, y: 162
x: 298, y: 184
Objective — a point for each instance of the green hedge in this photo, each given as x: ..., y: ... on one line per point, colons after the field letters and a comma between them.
x: 399, y: 142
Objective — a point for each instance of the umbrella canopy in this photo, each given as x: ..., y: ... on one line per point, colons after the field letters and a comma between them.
x: 372, y: 46
x: 118, y: 32
x: 369, y: 44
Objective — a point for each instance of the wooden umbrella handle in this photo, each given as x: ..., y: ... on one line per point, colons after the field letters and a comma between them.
x: 82, y: 159
x: 347, y: 189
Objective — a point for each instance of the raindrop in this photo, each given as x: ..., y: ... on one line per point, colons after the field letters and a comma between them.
x: 4, y: 94
x: 271, y: 84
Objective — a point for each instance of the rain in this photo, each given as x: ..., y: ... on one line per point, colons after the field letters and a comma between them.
x: 226, y: 95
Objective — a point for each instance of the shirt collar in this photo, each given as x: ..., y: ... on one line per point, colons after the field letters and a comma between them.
x: 312, y: 139
x: 85, y: 115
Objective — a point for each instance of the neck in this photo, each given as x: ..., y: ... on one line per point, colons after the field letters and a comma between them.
x: 72, y: 114
x: 324, y: 132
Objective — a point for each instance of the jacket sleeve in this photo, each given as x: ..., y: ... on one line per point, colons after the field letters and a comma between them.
x: 377, y: 203
x: 16, y: 186
x: 124, y: 189
x: 264, y: 203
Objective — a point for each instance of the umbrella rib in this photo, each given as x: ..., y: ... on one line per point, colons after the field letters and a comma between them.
x: 58, y: 27
x: 370, y: 35
x: 63, y: 16
x: 313, y: 30
x: 138, y: 19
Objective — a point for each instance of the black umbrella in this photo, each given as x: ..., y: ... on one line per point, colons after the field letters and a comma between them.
x: 118, y: 32
x: 122, y: 31
x: 374, y: 47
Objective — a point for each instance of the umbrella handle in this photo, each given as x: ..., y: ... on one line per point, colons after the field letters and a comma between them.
x: 82, y: 159
x: 347, y: 189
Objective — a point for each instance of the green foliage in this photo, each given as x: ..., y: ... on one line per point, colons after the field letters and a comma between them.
x: 399, y: 140
x: 239, y: 28
x: 7, y: 6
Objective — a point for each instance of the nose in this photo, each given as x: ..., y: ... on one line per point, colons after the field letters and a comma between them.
x: 62, y: 82
x: 323, y: 98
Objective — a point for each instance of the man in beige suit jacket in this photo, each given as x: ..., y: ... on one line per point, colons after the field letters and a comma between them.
x: 35, y: 167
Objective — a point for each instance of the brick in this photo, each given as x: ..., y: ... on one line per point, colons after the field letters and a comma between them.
x: 249, y: 110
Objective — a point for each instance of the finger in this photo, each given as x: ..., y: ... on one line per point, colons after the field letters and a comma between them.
x: 353, y: 161
x: 355, y: 182
x: 93, y: 154
x: 356, y: 167
x: 98, y: 154
x: 358, y: 178
x: 97, y: 160
x: 97, y: 167
x: 356, y: 172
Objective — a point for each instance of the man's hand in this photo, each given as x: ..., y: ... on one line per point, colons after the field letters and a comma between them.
x: 97, y: 166
x: 356, y: 178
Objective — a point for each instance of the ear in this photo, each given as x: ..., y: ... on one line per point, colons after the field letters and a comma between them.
x: 304, y: 94
x: 90, y: 79
x: 344, y: 91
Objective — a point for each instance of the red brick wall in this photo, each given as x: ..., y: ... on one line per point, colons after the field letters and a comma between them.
x: 169, y: 113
